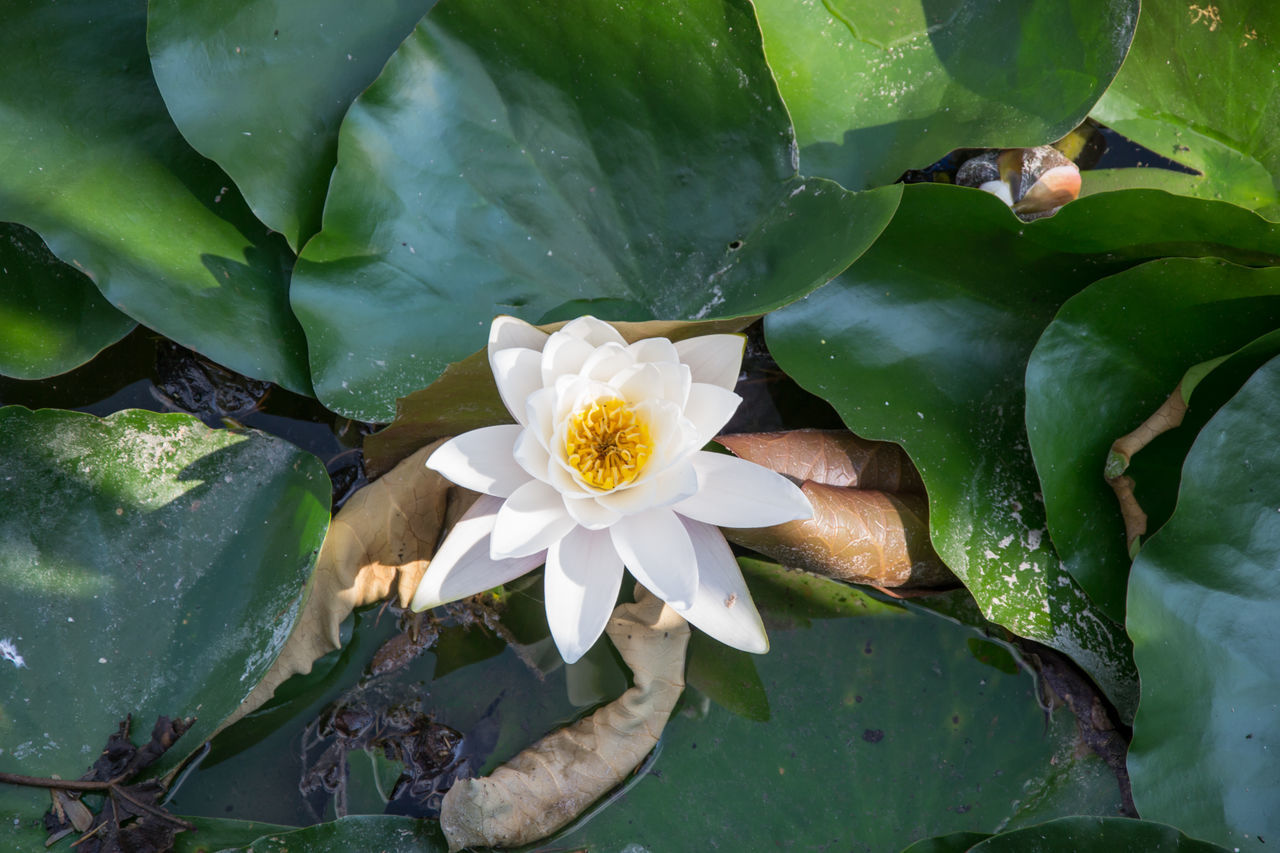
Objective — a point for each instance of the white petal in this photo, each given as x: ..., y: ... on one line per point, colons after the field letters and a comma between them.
x: 606, y: 362
x: 641, y: 382
x: 662, y: 489
x: 590, y: 513
x: 733, y: 492
x: 563, y: 355
x: 581, y: 584
x: 517, y: 373
x: 532, y: 457
x: 593, y: 331
x: 722, y: 606
x: 482, y: 460
x: 507, y: 332
x: 654, y: 350
x: 714, y: 359
x: 462, y: 567
x: 656, y: 548
x: 709, y: 409
x: 529, y: 521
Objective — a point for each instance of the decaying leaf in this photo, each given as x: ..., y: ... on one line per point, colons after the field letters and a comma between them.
x: 551, y: 782
x: 833, y: 457
x: 870, y: 515
x: 465, y: 396
x: 379, y: 543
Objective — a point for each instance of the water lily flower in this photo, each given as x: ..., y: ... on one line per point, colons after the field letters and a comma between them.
x: 604, y: 468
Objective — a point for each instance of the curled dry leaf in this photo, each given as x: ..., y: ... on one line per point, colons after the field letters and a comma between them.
x: 551, y: 782
x: 870, y: 515
x: 379, y: 543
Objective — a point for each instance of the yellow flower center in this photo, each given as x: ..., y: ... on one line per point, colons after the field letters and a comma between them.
x: 607, y: 443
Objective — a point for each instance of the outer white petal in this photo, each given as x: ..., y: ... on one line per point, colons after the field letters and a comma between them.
x: 590, y: 513
x: 714, y: 359
x: 507, y: 332
x: 709, y: 409
x: 655, y: 350
x: 722, y: 606
x: 462, y: 567
x: 482, y: 460
x: 517, y: 373
x: 529, y: 521
x: 581, y: 584
x: 733, y: 492
x: 593, y: 331
x: 657, y: 550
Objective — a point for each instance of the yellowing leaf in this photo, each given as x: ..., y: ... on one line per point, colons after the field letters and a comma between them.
x: 553, y: 781
x: 833, y: 457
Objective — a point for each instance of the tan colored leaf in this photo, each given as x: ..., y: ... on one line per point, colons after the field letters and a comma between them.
x: 833, y: 457
x: 378, y: 543
x: 553, y: 781
x: 465, y: 397
x: 856, y: 535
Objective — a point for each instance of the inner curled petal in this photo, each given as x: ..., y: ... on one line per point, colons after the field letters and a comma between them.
x: 607, y: 443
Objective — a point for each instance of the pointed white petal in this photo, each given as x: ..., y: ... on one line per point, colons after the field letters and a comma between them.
x: 529, y: 521
x: 482, y: 460
x: 531, y: 457
x: 584, y: 574
x: 641, y: 382
x: 507, y: 332
x: 462, y: 567
x: 722, y: 607
x: 593, y: 331
x: 654, y: 350
x: 709, y: 409
x: 517, y: 373
x: 714, y: 359
x: 607, y: 361
x: 733, y: 492
x: 563, y: 355
x: 662, y: 489
x: 590, y: 513
x: 656, y: 548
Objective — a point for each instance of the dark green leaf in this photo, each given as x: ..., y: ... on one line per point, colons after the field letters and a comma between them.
x: 93, y: 163
x: 1203, y: 606
x: 515, y: 157
x: 261, y: 87
x: 1180, y: 94
x: 52, y: 318
x: 875, y: 89
x: 151, y: 566
x: 385, y: 834
x: 213, y: 834
x: 925, y: 341
x: 956, y: 842
x: 1081, y: 834
x: 727, y: 676
x: 1112, y: 355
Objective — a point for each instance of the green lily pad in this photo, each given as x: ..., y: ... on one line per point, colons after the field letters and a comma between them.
x: 52, y: 318
x: 214, y: 834
x: 1110, y: 357
x: 1080, y: 834
x: 93, y: 163
x: 260, y: 88
x: 875, y: 89
x: 1193, y: 109
x: 925, y: 340
x: 385, y: 834
x: 151, y: 566
x: 519, y: 158
x: 884, y: 728
x: 1203, y: 605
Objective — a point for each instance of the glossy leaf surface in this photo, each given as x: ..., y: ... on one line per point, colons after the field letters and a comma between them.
x: 52, y: 318
x: 1199, y: 87
x: 93, y: 163
x: 260, y: 89
x: 549, y: 162
x: 875, y: 89
x: 151, y: 566
x: 1203, y: 610
x: 925, y: 342
x: 1110, y: 357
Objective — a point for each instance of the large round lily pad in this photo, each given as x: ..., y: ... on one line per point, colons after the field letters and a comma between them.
x: 151, y: 566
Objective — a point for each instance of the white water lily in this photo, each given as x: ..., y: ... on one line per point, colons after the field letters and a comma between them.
x: 605, y: 469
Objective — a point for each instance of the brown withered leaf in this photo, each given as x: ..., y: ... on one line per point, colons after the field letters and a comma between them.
x: 465, y: 396
x: 379, y: 543
x: 553, y: 781
x: 833, y: 457
x: 856, y: 535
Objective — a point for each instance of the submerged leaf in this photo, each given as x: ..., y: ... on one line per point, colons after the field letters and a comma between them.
x: 551, y: 782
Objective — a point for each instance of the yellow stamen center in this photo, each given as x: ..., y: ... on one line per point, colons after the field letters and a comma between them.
x: 607, y: 443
